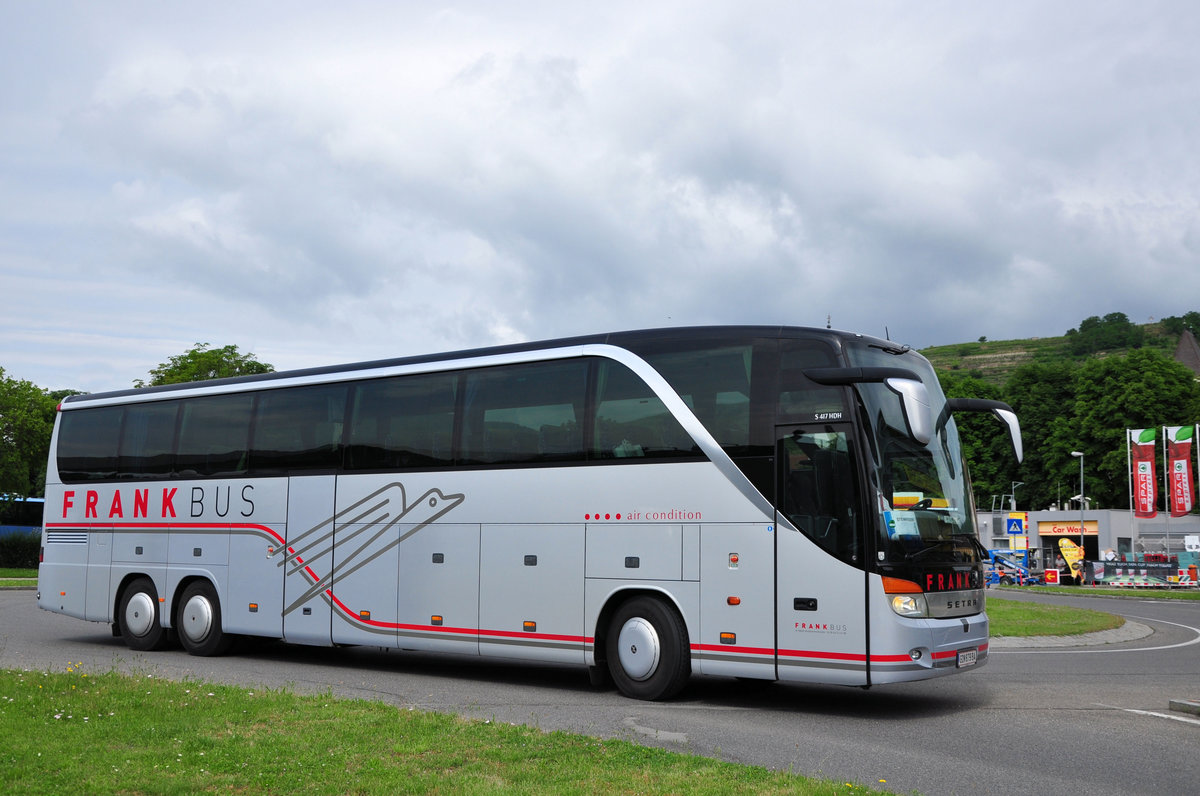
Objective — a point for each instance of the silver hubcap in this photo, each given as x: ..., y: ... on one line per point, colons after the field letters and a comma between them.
x: 638, y: 648
x: 197, y: 618
x: 139, y: 614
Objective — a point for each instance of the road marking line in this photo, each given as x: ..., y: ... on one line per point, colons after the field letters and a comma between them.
x: 1184, y: 719
x: 659, y: 735
x: 1195, y: 630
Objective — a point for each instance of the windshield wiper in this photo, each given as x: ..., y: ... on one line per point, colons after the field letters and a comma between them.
x: 941, y: 543
x: 937, y: 545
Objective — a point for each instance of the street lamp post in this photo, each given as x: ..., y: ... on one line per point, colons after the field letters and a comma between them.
x: 1082, y: 504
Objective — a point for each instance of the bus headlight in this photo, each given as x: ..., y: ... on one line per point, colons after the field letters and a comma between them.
x: 907, y: 597
x: 910, y: 605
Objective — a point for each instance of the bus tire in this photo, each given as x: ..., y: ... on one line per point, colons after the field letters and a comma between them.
x: 140, y: 623
x: 647, y: 649
x: 199, y: 622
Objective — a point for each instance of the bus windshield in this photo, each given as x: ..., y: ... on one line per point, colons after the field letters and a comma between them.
x: 926, y: 509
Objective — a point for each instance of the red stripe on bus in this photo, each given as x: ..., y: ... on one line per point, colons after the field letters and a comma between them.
x: 479, y: 632
x: 732, y: 648
x: 813, y: 654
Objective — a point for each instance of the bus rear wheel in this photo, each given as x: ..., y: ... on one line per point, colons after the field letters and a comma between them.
x: 199, y: 624
x: 647, y: 649
x: 140, y: 624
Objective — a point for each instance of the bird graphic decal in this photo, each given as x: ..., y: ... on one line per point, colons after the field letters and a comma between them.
x: 367, y: 529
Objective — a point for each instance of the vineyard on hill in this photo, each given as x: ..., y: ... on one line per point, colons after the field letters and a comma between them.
x: 994, y: 361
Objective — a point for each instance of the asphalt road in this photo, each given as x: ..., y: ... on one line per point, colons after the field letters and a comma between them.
x: 1089, y: 720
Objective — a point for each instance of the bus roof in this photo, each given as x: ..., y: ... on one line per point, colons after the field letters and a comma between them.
x: 620, y: 339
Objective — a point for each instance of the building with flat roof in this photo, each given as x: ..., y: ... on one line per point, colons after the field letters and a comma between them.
x: 1103, y: 530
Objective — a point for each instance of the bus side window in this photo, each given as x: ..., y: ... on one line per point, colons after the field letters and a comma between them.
x: 525, y: 413
x: 88, y: 444
x: 299, y: 428
x: 403, y: 422
x: 632, y: 422
x: 214, y: 435
x: 148, y: 440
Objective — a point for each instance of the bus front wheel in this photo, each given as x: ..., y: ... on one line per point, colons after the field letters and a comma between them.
x: 141, y: 628
x: 199, y: 624
x: 647, y: 649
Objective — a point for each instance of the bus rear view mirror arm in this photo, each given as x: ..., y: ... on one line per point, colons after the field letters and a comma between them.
x: 1000, y: 409
x: 914, y: 395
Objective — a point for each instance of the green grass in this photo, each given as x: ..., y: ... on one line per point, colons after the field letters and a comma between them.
x: 17, y: 577
x: 1016, y: 618
x: 1184, y: 593
x: 77, y: 733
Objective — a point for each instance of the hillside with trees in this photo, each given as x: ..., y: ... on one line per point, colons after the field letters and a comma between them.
x: 1078, y: 392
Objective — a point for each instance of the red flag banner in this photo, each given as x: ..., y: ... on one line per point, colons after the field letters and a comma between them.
x: 1179, y: 469
x: 1142, y: 453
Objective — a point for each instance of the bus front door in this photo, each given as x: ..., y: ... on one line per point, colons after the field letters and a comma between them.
x: 821, y: 579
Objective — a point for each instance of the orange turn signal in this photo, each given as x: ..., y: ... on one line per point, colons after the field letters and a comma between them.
x: 900, y: 586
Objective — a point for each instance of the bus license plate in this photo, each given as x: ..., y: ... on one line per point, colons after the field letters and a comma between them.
x: 967, y: 658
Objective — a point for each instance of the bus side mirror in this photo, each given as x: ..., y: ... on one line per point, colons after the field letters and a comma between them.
x: 998, y: 408
x: 914, y: 396
x: 918, y: 414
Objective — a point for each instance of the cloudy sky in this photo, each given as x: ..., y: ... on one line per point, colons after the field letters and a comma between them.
x: 367, y: 179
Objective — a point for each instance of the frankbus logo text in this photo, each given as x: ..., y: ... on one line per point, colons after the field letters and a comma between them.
x: 137, y: 504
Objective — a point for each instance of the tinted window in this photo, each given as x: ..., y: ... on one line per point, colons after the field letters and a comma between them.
x: 298, y: 429
x: 148, y: 440
x: 819, y: 490
x: 632, y: 422
x: 799, y: 398
x: 87, y: 443
x: 214, y: 435
x: 715, y: 383
x: 525, y: 413
x: 407, y: 421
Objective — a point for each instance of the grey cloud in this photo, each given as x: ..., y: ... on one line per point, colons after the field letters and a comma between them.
x: 396, y: 178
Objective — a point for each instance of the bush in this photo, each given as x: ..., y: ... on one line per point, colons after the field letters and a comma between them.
x: 20, y: 550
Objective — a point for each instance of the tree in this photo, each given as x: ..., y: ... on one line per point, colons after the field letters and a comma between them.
x: 1145, y: 389
x: 1042, y: 395
x: 26, y: 421
x: 1173, y: 324
x: 987, y: 447
x: 203, y: 362
x: 1114, y: 330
